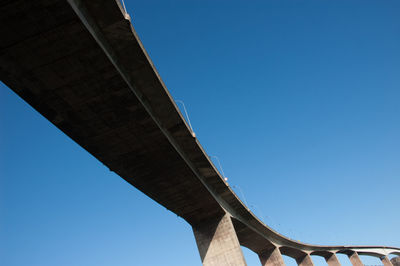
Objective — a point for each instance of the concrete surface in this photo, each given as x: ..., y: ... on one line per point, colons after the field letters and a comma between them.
x: 332, y: 260
x: 395, y: 261
x: 386, y: 262
x: 305, y: 261
x: 355, y: 259
x: 217, y: 242
x: 271, y: 257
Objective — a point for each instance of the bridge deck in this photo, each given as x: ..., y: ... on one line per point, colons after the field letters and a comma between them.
x: 82, y: 66
x: 53, y: 62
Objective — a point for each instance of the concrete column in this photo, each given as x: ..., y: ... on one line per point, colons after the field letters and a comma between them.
x: 395, y: 261
x: 355, y: 259
x: 305, y: 261
x: 218, y: 243
x: 272, y: 257
x: 386, y: 262
x: 332, y: 260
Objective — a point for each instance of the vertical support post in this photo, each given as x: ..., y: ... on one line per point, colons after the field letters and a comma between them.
x: 355, y: 259
x: 271, y: 257
x: 386, y: 262
x: 332, y: 260
x: 395, y: 261
x: 218, y: 243
x: 305, y: 261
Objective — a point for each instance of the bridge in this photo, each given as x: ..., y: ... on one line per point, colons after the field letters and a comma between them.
x: 81, y: 65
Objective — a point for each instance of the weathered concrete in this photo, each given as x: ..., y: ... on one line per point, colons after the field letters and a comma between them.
x: 395, y: 261
x: 217, y: 242
x: 386, y: 262
x: 271, y: 257
x: 355, y: 259
x: 330, y: 257
x: 305, y: 261
x: 332, y: 260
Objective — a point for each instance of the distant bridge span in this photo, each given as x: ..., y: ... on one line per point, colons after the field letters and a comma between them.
x: 81, y: 65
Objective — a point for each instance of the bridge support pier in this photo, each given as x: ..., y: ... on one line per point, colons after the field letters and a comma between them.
x: 395, y: 261
x: 355, y: 259
x: 305, y: 261
x: 271, y: 257
x: 218, y: 243
x: 332, y: 260
x: 386, y: 262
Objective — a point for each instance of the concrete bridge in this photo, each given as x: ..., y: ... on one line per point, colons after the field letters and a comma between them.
x: 82, y: 66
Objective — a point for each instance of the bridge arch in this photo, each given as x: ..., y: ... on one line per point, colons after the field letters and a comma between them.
x: 330, y: 257
x: 318, y: 260
x: 343, y: 259
x: 302, y: 258
x: 292, y: 252
x: 396, y: 253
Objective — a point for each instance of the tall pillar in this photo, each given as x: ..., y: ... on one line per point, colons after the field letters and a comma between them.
x: 305, y: 261
x: 271, y: 257
x: 218, y: 243
x: 355, y: 259
x: 332, y: 260
x: 395, y: 261
x: 386, y: 262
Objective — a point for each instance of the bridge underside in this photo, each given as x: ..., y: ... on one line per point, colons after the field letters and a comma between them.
x: 51, y: 60
x: 82, y: 66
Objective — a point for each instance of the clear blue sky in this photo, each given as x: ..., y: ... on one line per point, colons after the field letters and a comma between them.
x: 298, y: 99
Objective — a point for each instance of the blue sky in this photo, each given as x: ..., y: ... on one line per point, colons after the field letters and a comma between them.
x: 298, y: 99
